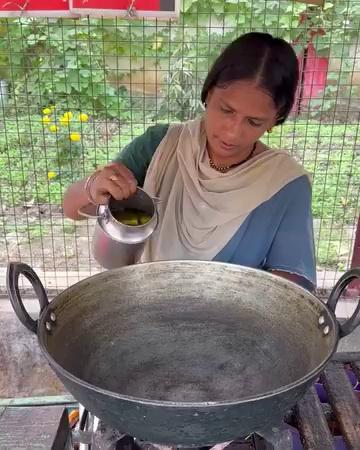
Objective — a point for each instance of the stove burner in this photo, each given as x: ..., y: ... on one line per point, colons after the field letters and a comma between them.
x: 97, y: 436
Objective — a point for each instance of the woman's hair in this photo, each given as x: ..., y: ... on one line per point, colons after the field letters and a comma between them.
x: 270, y: 62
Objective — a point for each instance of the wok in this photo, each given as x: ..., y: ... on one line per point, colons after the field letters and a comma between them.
x: 185, y: 352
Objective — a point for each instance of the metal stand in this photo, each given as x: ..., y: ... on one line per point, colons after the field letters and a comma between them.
x: 275, y: 439
x: 85, y: 432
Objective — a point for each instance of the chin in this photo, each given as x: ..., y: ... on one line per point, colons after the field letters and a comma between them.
x: 222, y: 153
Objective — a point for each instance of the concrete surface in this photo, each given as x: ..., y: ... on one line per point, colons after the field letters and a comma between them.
x: 24, y: 371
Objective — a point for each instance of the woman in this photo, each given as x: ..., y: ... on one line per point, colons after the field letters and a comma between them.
x: 225, y: 195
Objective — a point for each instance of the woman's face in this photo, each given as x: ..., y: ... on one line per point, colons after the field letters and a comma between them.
x: 236, y: 117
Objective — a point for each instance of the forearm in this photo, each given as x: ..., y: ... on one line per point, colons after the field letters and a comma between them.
x: 75, y: 198
x: 301, y: 281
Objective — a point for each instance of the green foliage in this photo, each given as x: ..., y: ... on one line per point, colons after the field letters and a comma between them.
x: 329, y: 153
x: 67, y: 61
x: 183, y: 91
x: 333, y: 242
x: 58, y: 62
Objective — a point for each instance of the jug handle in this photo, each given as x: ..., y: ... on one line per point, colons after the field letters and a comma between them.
x: 350, y: 324
x: 14, y: 270
x: 81, y: 212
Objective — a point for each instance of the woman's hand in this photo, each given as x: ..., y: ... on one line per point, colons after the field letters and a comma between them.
x: 114, y: 179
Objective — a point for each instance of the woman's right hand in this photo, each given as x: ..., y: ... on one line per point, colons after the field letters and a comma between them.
x: 114, y: 179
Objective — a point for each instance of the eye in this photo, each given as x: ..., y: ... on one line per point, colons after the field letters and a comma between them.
x: 226, y: 110
x: 254, y: 124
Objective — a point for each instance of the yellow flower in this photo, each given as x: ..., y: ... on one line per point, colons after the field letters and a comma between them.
x: 46, y: 119
x: 157, y: 44
x: 53, y: 128
x: 47, y: 111
x: 83, y: 117
x: 68, y: 115
x: 64, y: 121
x: 51, y: 175
x: 75, y: 137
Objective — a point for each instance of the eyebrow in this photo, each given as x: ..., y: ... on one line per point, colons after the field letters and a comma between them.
x: 260, y: 119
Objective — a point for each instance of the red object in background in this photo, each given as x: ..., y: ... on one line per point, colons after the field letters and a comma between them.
x: 162, y: 9
x: 313, y: 76
x: 35, y: 5
x: 140, y: 5
x: 354, y: 289
x: 356, y: 254
x: 46, y: 8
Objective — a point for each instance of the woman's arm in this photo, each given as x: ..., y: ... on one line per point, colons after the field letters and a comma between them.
x: 119, y: 178
x: 292, y: 251
x: 76, y: 198
x: 301, y: 281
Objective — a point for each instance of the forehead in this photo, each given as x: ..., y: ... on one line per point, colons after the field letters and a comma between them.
x: 246, y: 98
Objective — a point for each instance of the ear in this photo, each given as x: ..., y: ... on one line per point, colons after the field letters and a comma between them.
x: 273, y: 123
x: 208, y: 97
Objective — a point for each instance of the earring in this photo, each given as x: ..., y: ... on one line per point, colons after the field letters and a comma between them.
x: 270, y: 130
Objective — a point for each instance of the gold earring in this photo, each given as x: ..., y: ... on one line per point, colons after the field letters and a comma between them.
x: 270, y: 130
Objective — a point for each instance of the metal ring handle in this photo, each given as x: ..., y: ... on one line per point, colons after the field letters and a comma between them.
x: 89, y: 216
x: 349, y: 325
x: 14, y: 270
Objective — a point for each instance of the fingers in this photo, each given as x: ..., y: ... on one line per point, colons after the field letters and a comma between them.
x: 119, y: 170
x: 122, y: 181
x: 118, y: 189
x: 116, y: 180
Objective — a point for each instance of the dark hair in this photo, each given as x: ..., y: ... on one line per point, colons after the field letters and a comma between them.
x: 260, y: 57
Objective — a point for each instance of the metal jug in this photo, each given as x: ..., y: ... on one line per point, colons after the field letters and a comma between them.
x: 115, y: 244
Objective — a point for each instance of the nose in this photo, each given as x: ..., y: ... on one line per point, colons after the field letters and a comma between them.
x: 234, y: 130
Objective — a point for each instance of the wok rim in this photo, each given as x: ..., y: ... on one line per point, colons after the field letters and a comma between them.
x: 41, y: 331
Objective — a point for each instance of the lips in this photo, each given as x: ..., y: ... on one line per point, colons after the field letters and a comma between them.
x: 227, y: 146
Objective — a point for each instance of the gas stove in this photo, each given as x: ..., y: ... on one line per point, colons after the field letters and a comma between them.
x: 327, y: 418
x: 101, y: 437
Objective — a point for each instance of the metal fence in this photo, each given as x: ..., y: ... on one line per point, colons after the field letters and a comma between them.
x: 73, y: 93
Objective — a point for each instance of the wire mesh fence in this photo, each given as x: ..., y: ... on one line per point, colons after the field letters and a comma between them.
x: 73, y: 93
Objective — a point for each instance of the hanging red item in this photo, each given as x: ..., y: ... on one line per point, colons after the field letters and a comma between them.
x: 35, y: 8
x: 313, y: 71
x: 116, y: 5
x: 315, y: 74
x: 135, y: 8
x: 162, y: 9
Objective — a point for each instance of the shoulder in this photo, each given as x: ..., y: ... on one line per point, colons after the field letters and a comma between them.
x: 153, y: 135
x: 284, y: 162
x: 145, y: 144
x: 137, y: 155
x: 295, y: 197
x: 299, y: 187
